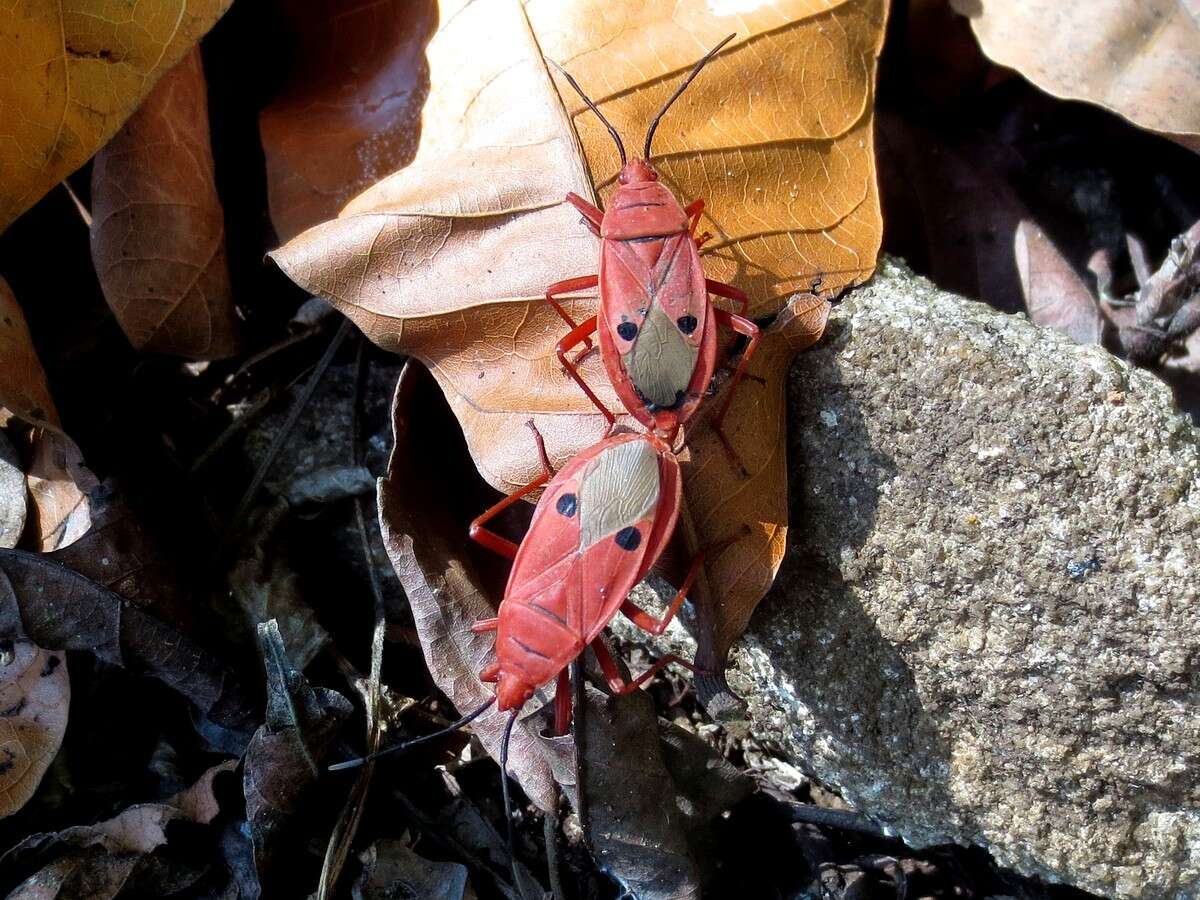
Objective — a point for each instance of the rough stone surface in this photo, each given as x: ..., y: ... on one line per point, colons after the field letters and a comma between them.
x: 985, y: 631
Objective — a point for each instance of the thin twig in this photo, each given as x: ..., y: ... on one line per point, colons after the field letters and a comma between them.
x: 550, y: 834
x: 845, y: 819
x: 284, y: 432
x: 84, y: 212
x: 343, y: 834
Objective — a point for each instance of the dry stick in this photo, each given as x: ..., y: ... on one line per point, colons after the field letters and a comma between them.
x: 284, y: 432
x: 550, y: 835
x: 84, y: 213
x: 347, y: 825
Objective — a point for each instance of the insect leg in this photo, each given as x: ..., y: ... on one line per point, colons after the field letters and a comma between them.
x: 644, y: 620
x: 569, y: 286
x: 693, y: 211
x: 751, y: 331
x: 729, y: 292
x: 592, y: 215
x: 485, y: 625
x: 490, y: 539
x: 568, y: 343
x: 616, y: 682
x: 562, y: 703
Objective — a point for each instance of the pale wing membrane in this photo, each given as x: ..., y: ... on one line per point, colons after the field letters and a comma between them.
x: 618, y: 489
x: 661, y: 361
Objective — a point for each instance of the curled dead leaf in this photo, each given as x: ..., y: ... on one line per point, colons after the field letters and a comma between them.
x: 448, y: 259
x: 57, y: 478
x: 101, y: 861
x: 1140, y: 60
x: 351, y: 110
x: 282, y: 761
x: 75, y: 71
x: 450, y: 586
x: 1054, y: 294
x: 158, y: 233
x: 12, y: 494
x: 35, y: 695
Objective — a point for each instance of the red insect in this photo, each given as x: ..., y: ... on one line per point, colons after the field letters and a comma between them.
x: 599, y: 527
x: 657, y: 327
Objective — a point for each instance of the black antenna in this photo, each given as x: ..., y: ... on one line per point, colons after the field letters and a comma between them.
x: 404, y: 745
x: 679, y: 90
x: 508, y: 822
x: 592, y: 106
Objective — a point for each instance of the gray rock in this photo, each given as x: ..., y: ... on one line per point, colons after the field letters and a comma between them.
x: 985, y: 631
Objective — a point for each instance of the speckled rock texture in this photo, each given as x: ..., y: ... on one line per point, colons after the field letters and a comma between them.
x: 986, y: 629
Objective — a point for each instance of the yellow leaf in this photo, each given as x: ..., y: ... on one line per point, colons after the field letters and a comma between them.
x: 73, y: 71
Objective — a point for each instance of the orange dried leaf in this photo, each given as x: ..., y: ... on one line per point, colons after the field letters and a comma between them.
x: 74, y: 71
x: 1140, y: 60
x: 158, y: 238
x: 448, y: 259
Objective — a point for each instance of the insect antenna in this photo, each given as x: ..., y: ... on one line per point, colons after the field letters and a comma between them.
x: 592, y: 106
x: 508, y: 822
x: 404, y: 745
x: 679, y: 90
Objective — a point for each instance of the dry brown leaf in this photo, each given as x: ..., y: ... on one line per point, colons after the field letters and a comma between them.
x: 1140, y: 60
x: 35, y: 695
x: 447, y: 260
x: 24, y: 392
x: 74, y: 70
x: 108, y: 859
x: 1054, y: 294
x: 351, y: 111
x: 58, y: 480
x: 158, y: 233
x: 13, y: 495
x: 451, y: 584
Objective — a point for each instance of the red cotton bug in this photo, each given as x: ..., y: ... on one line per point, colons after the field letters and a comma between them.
x: 599, y: 527
x: 657, y: 327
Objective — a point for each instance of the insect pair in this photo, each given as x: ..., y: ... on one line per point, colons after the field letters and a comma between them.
x: 604, y: 519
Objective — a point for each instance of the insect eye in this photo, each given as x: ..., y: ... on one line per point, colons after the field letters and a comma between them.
x: 687, y: 324
x: 627, y: 331
x: 628, y: 538
x: 567, y: 504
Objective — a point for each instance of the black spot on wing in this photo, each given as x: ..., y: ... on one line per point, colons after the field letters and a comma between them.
x: 627, y: 331
x: 687, y: 324
x: 567, y: 504
x: 628, y: 538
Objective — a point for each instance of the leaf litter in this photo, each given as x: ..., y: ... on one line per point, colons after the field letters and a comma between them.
x: 303, y: 554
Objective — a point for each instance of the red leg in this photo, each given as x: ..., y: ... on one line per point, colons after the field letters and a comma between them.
x: 562, y: 703
x: 616, y: 683
x: 569, y: 286
x: 490, y: 539
x: 570, y: 342
x: 693, y: 211
x: 751, y: 331
x: 644, y: 620
x: 592, y: 216
x: 485, y: 625
x: 729, y: 292
x: 647, y: 622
